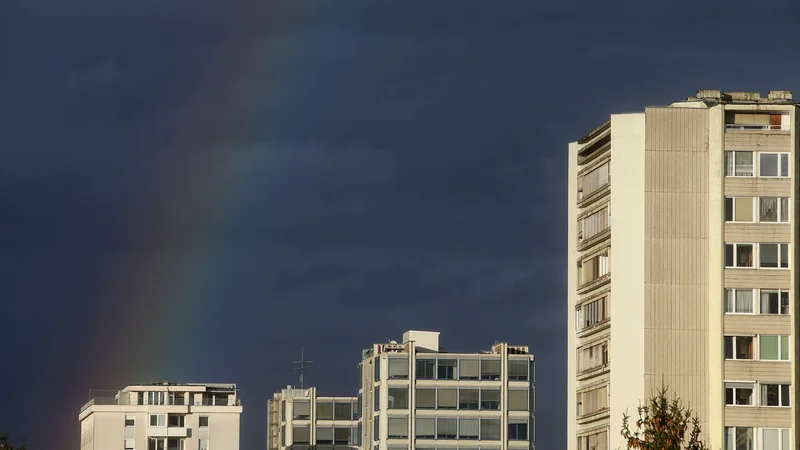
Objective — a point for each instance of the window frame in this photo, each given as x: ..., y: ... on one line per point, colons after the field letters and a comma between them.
x: 735, y: 247
x: 779, y: 165
x: 780, y: 431
x: 735, y: 291
x: 734, y: 338
x: 753, y: 436
x: 752, y: 385
x: 157, y: 416
x: 779, y: 212
x: 753, y: 162
x: 781, y: 387
x: 754, y: 210
x: 781, y: 338
x: 780, y: 293
x: 780, y: 247
x: 200, y: 422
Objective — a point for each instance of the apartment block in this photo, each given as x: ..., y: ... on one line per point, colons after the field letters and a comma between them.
x: 299, y: 420
x: 682, y: 237
x: 163, y: 416
x: 414, y: 396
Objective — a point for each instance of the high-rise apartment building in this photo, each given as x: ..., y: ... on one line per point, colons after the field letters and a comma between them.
x: 299, y: 420
x: 416, y: 397
x: 682, y: 238
x: 163, y: 416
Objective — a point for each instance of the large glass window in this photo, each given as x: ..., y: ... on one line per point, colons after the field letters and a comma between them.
x: 343, y: 411
x: 325, y: 435
x: 739, y: 255
x: 490, y: 369
x: 468, y: 398
x: 775, y: 394
x: 739, y: 209
x: 468, y: 428
x: 447, y: 398
x: 738, y: 301
x: 342, y: 435
x: 518, y: 369
x: 398, y: 368
x: 447, y: 369
x: 469, y: 369
x: 740, y: 394
x: 426, y: 428
x: 301, y: 434
x: 490, y: 429
x: 377, y: 362
x: 398, y: 427
x: 739, y: 438
x: 774, y: 209
x: 157, y: 444
x: 377, y: 399
x: 773, y: 164
x: 158, y: 420
x: 301, y: 410
x: 775, y: 438
x: 518, y: 400
x: 398, y: 398
x: 774, y: 255
x: 773, y: 348
x: 426, y: 398
x: 738, y: 347
x: 426, y: 369
x: 490, y: 399
x: 517, y: 429
x: 324, y: 410
x: 774, y: 301
x: 738, y: 164
x: 446, y: 428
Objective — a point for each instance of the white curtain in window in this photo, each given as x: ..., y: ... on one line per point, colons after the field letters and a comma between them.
x: 595, y: 179
x: 744, y: 164
x: 744, y: 301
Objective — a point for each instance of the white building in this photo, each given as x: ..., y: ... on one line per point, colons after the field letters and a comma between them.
x: 163, y: 416
x: 416, y: 397
x: 297, y: 419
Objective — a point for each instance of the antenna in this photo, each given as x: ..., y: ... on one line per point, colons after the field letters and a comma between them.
x: 303, y: 361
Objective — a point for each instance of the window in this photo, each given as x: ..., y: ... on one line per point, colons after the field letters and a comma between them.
x: 739, y: 438
x: 376, y: 435
x: 593, y: 401
x: 490, y: 369
x: 738, y: 301
x: 446, y: 428
x: 739, y: 209
x: 158, y: 420
x: 490, y: 399
x: 426, y: 428
x: 203, y: 421
x: 175, y: 420
x: 174, y: 444
x: 203, y: 444
x: 426, y: 369
x: 156, y: 444
x: 468, y: 428
x: 594, y: 224
x: 738, y: 164
x: 130, y: 444
x: 593, y: 268
x: 325, y: 435
x: 592, y: 313
x: 324, y: 410
x: 398, y: 368
x: 130, y: 421
x: 774, y: 301
x: 490, y: 429
x: 377, y: 399
x: 773, y: 164
x: 775, y: 438
x: 517, y: 400
x: 377, y: 369
x: 342, y: 435
x: 301, y: 434
x: 738, y: 347
x: 774, y: 209
x: 739, y: 255
x: 447, y: 369
x: 426, y: 398
x: 301, y: 409
x: 398, y: 427
x: 773, y: 348
x: 156, y: 398
x: 447, y: 398
x: 469, y: 369
x: 468, y: 398
x: 398, y: 398
x: 517, y: 429
x: 595, y: 179
x: 774, y: 255
x: 518, y: 369
x: 740, y: 394
x: 775, y: 394
x: 596, y: 441
x: 343, y: 411
x: 593, y: 356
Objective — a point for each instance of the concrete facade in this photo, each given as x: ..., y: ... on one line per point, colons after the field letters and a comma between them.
x: 300, y: 420
x: 413, y: 396
x: 163, y: 416
x: 701, y: 297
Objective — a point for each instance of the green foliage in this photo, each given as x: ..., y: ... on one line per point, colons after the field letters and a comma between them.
x: 663, y: 425
x: 5, y: 445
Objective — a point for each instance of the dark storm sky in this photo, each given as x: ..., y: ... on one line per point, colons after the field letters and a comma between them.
x: 326, y: 174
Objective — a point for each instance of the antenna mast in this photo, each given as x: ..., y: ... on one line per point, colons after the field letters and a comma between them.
x: 303, y: 361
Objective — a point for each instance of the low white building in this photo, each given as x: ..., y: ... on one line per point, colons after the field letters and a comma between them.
x: 163, y: 416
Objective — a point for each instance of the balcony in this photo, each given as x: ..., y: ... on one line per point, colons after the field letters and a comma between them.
x: 177, y: 401
x: 754, y: 127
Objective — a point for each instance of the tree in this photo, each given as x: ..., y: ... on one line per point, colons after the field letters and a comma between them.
x: 663, y: 425
x: 5, y: 445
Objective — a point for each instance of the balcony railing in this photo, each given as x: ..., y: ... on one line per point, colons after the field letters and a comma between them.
x: 752, y: 126
x: 177, y: 401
